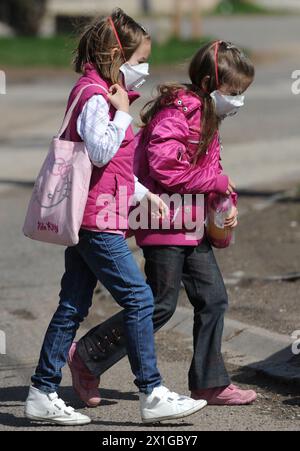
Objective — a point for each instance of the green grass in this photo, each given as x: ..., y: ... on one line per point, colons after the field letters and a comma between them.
x: 57, y: 51
x: 229, y: 7
x: 34, y: 52
x: 176, y: 51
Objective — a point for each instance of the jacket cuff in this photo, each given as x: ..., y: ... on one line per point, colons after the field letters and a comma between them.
x: 140, y: 191
x: 222, y: 183
x: 234, y: 198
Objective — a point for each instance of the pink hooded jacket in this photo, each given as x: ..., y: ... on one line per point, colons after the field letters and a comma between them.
x: 164, y: 163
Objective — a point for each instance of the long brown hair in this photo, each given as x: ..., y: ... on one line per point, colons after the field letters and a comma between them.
x: 234, y: 69
x: 98, y: 40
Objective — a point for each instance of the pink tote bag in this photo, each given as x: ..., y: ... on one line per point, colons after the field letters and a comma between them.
x: 60, y: 193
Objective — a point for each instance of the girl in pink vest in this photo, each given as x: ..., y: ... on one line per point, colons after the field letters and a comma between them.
x: 178, y: 151
x: 111, y: 56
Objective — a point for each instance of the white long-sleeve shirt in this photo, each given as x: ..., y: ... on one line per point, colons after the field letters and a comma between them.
x: 104, y: 137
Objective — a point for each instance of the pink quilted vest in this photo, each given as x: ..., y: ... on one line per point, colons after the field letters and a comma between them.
x: 112, y: 186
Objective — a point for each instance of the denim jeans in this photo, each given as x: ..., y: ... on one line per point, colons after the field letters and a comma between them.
x: 107, y: 258
x: 166, y: 267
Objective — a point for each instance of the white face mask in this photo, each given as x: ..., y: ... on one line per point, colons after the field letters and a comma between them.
x: 227, y: 105
x: 134, y: 76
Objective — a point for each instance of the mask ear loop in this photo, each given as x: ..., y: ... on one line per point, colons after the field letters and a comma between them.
x: 117, y: 37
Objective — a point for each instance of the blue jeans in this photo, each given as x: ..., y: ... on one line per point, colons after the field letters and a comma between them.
x: 166, y: 267
x: 105, y: 257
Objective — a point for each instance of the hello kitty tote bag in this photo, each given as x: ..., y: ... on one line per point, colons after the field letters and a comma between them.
x: 60, y: 193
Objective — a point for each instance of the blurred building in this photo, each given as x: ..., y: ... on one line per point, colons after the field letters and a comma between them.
x: 280, y: 4
x: 92, y: 7
x: 61, y: 13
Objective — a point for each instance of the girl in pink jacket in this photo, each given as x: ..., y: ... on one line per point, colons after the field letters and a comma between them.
x: 178, y: 152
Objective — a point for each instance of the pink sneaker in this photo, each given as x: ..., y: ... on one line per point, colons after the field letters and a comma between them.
x: 84, y: 383
x: 226, y: 396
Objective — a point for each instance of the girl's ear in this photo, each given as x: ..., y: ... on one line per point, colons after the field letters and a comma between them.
x: 204, y: 83
x: 114, y: 52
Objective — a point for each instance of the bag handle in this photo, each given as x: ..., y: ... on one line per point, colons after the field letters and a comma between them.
x: 72, y: 108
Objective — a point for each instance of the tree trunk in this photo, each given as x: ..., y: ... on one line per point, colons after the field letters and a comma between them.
x: 146, y: 6
x: 196, y: 20
x: 24, y: 16
x: 177, y: 18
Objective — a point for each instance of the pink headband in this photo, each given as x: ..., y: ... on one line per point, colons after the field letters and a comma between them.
x: 217, y: 45
x: 117, y: 37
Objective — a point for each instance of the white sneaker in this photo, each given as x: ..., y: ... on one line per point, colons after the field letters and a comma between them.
x: 41, y: 406
x: 162, y: 405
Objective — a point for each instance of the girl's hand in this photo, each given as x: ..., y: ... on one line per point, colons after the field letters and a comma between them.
x: 231, y: 187
x: 232, y: 221
x: 118, y: 97
x: 157, y: 207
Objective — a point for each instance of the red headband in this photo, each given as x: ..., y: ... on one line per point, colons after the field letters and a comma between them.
x: 217, y: 45
x: 117, y: 37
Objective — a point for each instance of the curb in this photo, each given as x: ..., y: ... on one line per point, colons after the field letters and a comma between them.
x: 268, y: 353
x: 5, y: 187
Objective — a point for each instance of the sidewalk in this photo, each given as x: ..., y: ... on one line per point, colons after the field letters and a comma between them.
x: 245, y: 345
